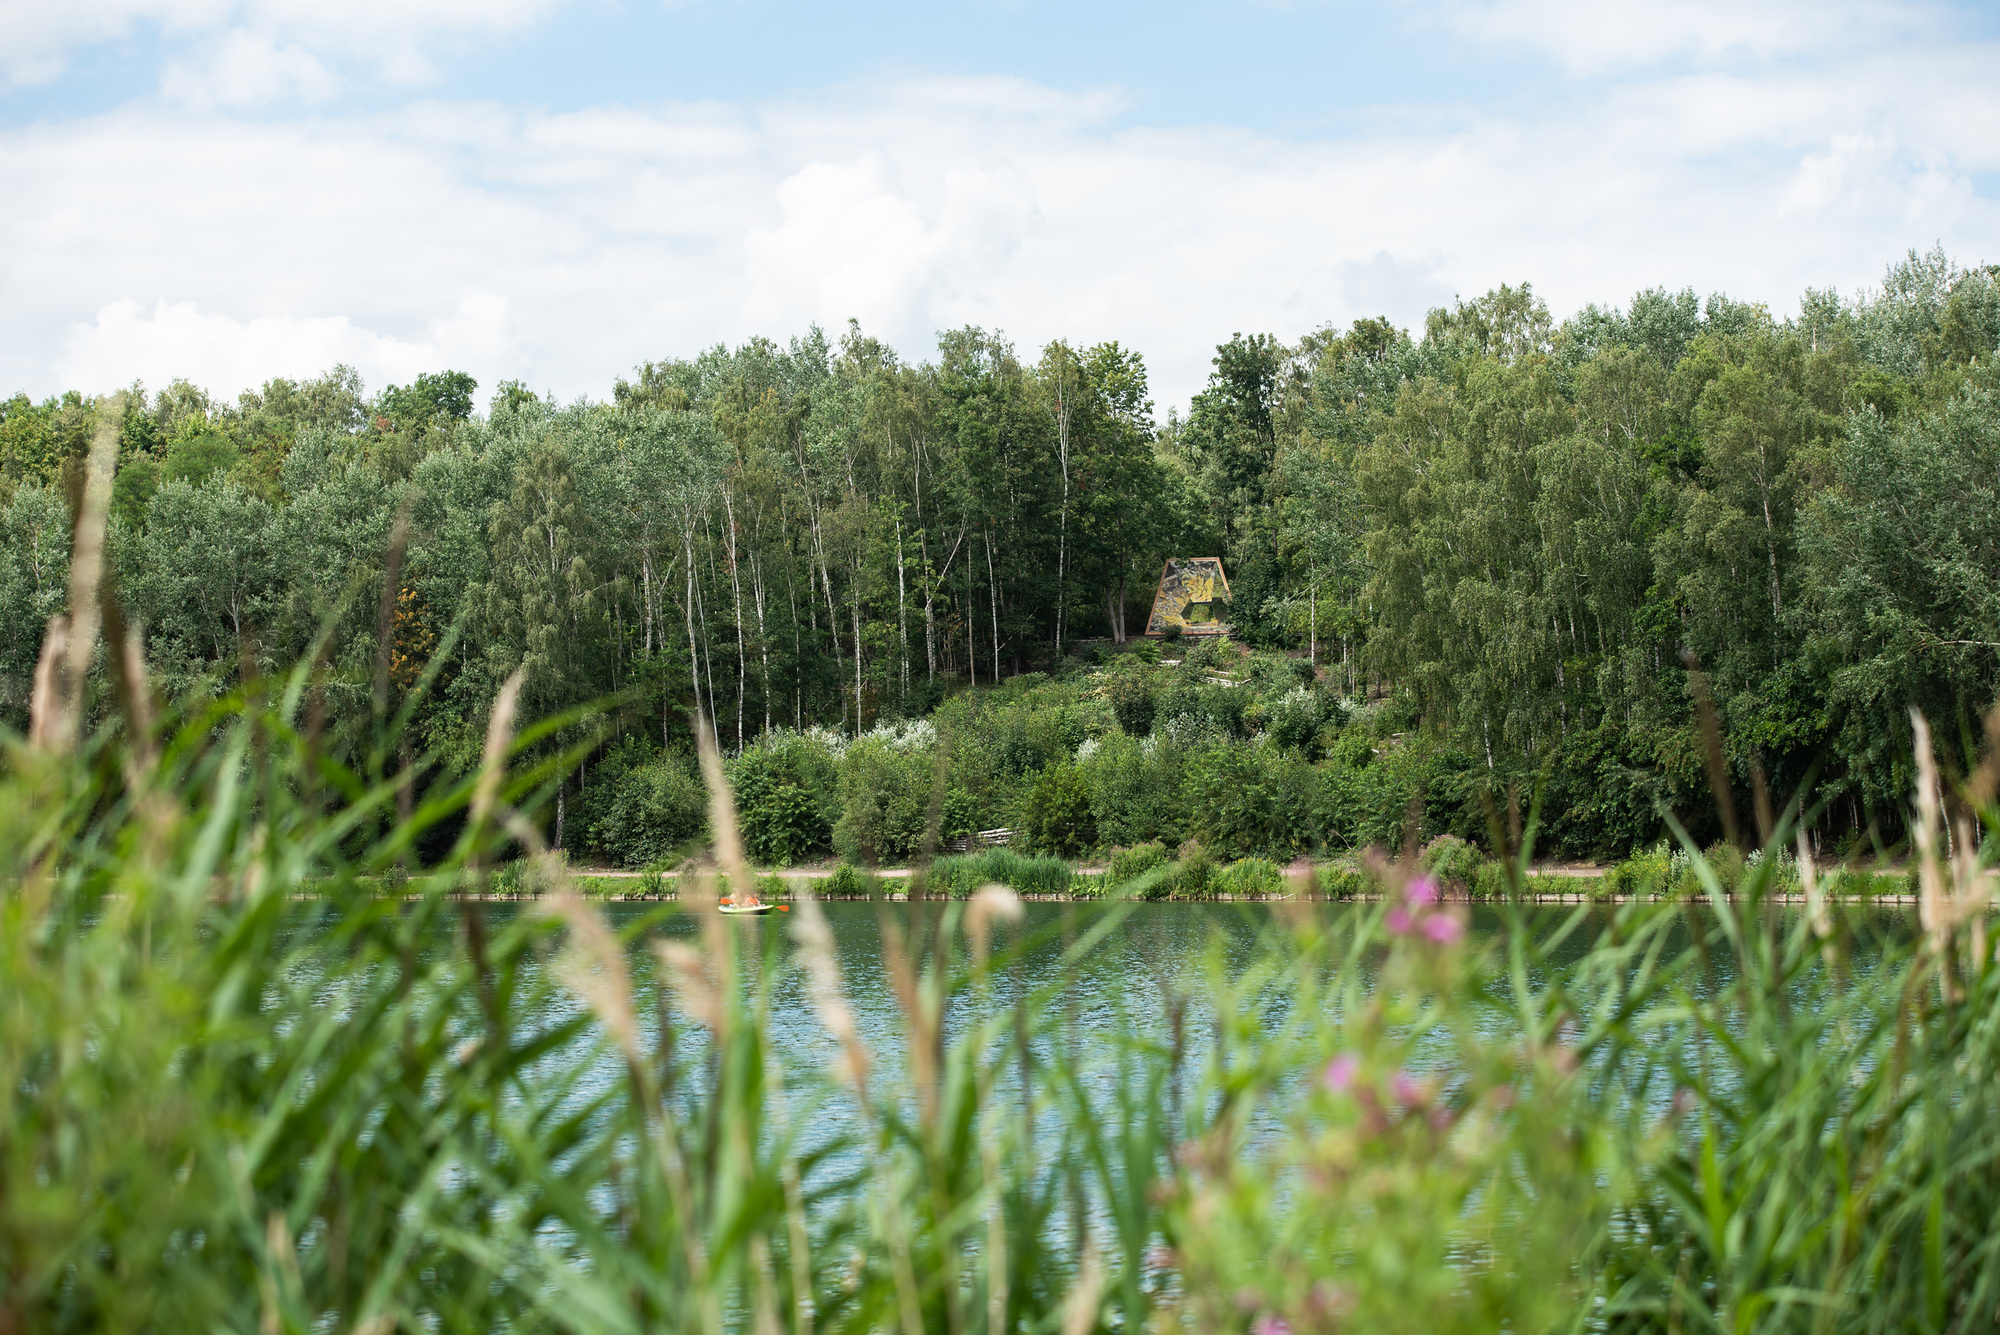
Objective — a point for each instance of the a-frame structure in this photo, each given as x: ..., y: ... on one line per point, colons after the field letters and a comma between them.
x: 1194, y: 595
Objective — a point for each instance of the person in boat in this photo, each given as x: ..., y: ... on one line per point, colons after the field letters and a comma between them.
x: 746, y: 900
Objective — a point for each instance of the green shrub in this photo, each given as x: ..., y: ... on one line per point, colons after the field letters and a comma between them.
x: 1059, y: 816
x: 1131, y: 697
x: 1210, y: 653
x: 954, y: 877
x: 1489, y: 882
x: 885, y: 796
x: 1250, y: 876
x: 648, y: 809
x: 958, y: 876
x: 1293, y: 720
x: 847, y: 881
x: 1339, y: 881
x: 1644, y: 875
x: 1194, y: 874
x: 1149, y: 861
x: 1088, y: 885
x: 1127, y: 863
x: 1451, y: 862
x: 1027, y: 874
x: 1252, y: 799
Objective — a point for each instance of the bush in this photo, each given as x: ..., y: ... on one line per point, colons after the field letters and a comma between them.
x: 786, y: 793
x: 1149, y: 860
x: 1029, y: 875
x: 1451, y: 862
x: 1059, y: 816
x: 1250, y: 876
x: 1303, y: 672
x: 1644, y: 875
x: 1252, y: 800
x: 1131, y: 697
x: 1338, y: 881
x: 958, y: 877
x: 648, y: 810
x: 1127, y: 863
x: 847, y: 882
x: 885, y: 792
x: 1194, y: 875
x: 1489, y: 882
x: 1293, y: 720
x: 1209, y: 653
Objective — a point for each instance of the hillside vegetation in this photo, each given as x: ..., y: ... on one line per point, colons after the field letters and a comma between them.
x: 1517, y: 549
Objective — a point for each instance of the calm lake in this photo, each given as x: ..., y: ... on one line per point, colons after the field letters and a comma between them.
x: 1142, y: 962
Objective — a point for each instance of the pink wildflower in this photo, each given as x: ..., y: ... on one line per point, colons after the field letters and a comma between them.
x: 1399, y: 920
x: 1340, y: 1072
x: 1409, y: 1091
x: 1271, y: 1325
x: 1422, y: 890
x: 1443, y: 928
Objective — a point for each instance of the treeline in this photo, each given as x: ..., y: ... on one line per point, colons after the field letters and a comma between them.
x: 1523, y: 539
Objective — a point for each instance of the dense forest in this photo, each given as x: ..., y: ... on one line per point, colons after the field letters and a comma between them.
x: 1505, y: 552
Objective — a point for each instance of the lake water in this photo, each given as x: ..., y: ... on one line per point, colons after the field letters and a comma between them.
x: 1143, y: 962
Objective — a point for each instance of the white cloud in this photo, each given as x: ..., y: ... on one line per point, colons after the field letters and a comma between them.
x: 227, y: 354
x: 37, y: 36
x: 1593, y: 36
x: 228, y: 250
x: 246, y: 69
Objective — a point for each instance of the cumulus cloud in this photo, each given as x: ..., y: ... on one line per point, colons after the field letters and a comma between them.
x: 179, y: 340
x: 229, y: 249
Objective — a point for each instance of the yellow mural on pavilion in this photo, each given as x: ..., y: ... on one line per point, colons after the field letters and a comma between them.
x: 1193, y: 594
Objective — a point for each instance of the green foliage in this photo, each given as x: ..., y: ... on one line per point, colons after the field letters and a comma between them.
x: 1338, y: 881
x: 1248, y: 877
x: 1295, y: 718
x: 784, y: 787
x: 1249, y: 799
x: 1451, y: 862
x: 1194, y: 873
x: 848, y: 881
x: 1059, y: 814
x: 1509, y: 534
x: 1129, y: 864
x: 649, y: 808
x: 885, y: 794
x: 1647, y: 874
x: 1131, y: 697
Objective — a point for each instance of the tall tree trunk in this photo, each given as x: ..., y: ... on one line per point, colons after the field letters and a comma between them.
x: 993, y: 592
x: 694, y: 651
x: 736, y: 587
x: 902, y: 611
x: 1062, y: 528
x: 763, y: 633
x: 857, y: 651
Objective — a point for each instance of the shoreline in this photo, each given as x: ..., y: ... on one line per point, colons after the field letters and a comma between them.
x: 903, y: 897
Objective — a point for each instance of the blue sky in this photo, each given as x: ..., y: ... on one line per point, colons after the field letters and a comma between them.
x: 553, y: 191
